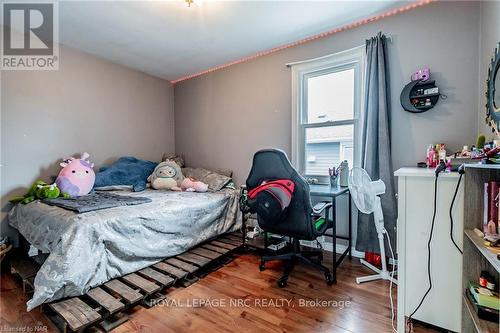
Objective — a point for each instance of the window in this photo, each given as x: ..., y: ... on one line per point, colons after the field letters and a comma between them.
x: 326, y: 103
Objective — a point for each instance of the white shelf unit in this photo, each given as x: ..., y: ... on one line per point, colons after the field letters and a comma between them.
x: 442, y: 307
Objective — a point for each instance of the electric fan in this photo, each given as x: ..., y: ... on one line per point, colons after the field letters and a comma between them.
x: 365, y: 194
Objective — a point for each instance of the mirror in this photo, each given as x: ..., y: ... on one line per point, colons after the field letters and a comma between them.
x: 496, y: 98
x: 493, y: 93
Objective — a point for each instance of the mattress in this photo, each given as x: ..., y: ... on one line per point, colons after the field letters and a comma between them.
x: 91, y: 248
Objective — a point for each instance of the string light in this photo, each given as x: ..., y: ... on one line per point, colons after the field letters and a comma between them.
x: 307, y: 39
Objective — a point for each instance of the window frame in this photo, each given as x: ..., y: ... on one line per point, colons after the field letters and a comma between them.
x: 350, y: 59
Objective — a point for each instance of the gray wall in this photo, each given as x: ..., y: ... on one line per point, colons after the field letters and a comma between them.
x: 489, y: 37
x: 222, y: 118
x: 87, y: 105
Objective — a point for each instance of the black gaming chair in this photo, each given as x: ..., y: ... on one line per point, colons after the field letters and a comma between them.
x: 299, y: 223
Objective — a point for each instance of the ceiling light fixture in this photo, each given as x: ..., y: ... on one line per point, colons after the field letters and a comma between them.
x: 189, y: 2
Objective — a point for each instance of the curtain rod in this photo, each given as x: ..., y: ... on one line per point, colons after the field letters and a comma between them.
x: 290, y: 64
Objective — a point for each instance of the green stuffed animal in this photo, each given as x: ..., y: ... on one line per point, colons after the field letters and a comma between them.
x: 39, y: 190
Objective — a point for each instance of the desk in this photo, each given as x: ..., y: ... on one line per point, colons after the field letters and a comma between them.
x: 333, y: 192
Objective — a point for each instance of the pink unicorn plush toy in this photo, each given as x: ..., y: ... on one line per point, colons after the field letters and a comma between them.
x: 77, y: 176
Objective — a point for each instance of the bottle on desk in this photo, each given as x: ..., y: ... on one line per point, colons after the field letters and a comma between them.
x: 344, y: 173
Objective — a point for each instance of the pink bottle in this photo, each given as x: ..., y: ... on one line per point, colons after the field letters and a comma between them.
x: 431, y: 157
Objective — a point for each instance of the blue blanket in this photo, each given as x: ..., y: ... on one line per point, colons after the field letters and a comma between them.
x: 127, y: 170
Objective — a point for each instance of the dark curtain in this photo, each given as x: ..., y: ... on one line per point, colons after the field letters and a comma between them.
x: 376, y: 142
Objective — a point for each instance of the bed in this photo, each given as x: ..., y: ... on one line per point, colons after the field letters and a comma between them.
x: 88, y: 249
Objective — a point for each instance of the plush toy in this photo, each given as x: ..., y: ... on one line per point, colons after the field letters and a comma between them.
x: 422, y: 74
x: 192, y: 185
x: 48, y: 191
x: 77, y: 176
x: 166, y: 176
x: 39, y: 190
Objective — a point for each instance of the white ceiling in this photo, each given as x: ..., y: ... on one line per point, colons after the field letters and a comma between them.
x: 169, y: 40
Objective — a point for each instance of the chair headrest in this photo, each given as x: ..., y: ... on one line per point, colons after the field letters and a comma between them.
x: 269, y: 164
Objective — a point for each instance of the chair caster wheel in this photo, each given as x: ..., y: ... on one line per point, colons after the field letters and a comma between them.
x: 329, y: 278
x: 262, y: 266
x: 282, y: 283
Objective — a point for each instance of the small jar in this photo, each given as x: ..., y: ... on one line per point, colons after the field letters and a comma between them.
x: 491, y: 285
x: 483, y: 279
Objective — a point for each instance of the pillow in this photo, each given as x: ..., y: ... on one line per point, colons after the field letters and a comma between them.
x: 126, y: 171
x: 225, y: 172
x: 176, y: 158
x: 215, y: 181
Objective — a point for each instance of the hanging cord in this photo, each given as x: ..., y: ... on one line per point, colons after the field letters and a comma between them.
x: 393, y: 316
x: 451, y: 209
x: 429, y: 277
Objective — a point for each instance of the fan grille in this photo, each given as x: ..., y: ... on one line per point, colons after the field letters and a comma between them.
x: 360, y: 186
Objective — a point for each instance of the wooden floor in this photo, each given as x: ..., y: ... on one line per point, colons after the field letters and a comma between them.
x: 263, y: 307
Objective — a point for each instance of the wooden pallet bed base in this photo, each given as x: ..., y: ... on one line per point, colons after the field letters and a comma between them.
x: 26, y: 269
x: 214, y: 248
x: 173, y: 271
x: 77, y: 314
x: 106, y: 305
x: 102, y: 298
x: 181, y: 264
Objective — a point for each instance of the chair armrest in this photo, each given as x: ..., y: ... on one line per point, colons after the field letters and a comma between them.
x: 318, y: 209
x: 321, y: 206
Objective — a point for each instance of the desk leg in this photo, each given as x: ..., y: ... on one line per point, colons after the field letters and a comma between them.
x: 244, y: 230
x: 334, y: 240
x: 350, y: 225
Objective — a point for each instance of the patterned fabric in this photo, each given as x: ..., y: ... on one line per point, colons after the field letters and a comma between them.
x: 215, y: 181
x: 89, y: 249
x: 96, y: 201
x: 224, y: 172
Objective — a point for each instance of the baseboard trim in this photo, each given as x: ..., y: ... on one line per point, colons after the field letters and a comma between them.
x: 341, y: 249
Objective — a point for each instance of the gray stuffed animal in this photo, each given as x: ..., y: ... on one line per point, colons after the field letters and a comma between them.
x: 166, y: 176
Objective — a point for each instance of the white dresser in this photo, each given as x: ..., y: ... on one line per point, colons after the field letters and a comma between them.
x: 442, y: 306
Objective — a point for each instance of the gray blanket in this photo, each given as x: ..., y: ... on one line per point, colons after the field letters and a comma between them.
x: 89, y: 249
x: 95, y: 201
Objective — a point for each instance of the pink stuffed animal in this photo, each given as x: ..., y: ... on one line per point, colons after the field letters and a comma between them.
x: 192, y: 185
x: 77, y: 176
x: 422, y: 74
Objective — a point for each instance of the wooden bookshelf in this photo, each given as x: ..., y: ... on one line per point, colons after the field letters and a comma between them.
x: 480, y: 325
x: 476, y: 256
x: 489, y: 254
